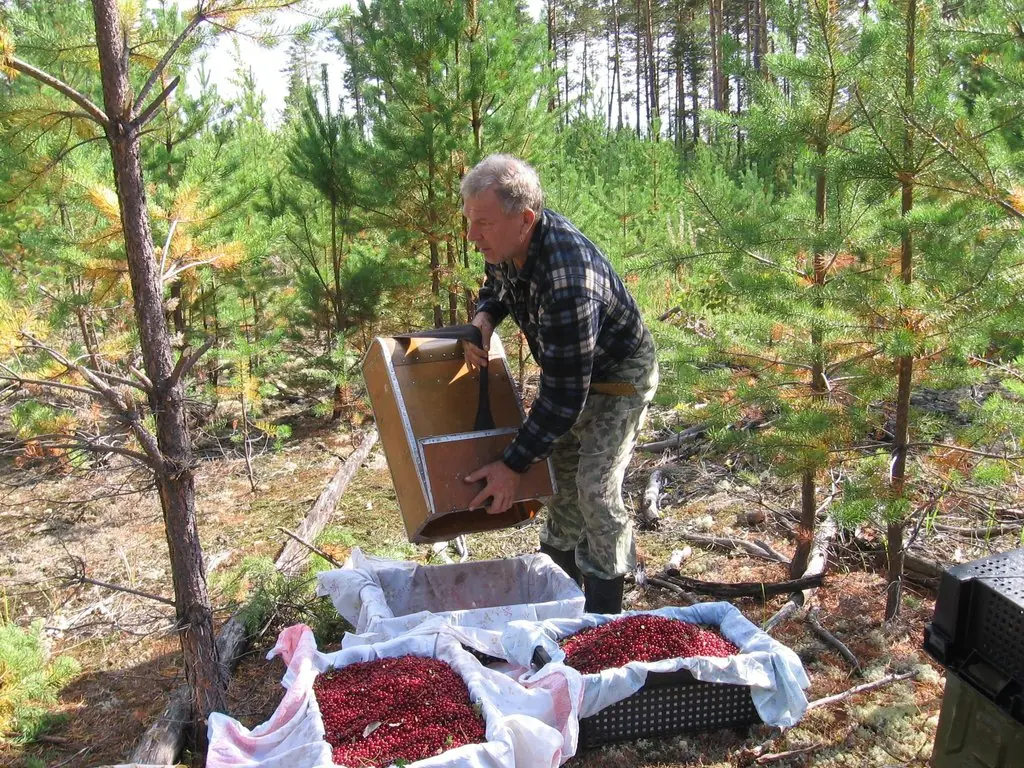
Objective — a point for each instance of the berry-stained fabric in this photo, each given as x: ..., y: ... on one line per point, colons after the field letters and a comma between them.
x: 527, y: 726
x: 774, y: 672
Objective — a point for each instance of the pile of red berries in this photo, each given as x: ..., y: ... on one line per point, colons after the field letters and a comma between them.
x: 641, y: 637
x: 400, y: 709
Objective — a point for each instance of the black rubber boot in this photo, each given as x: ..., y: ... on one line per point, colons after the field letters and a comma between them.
x: 603, y: 595
x: 564, y: 560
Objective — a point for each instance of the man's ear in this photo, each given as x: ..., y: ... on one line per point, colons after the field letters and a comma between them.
x: 529, y: 216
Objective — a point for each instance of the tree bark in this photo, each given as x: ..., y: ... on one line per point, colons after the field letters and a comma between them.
x: 819, y: 387
x: 654, y: 108
x: 905, y: 364
x: 453, y: 285
x: 174, y: 477
x: 714, y: 30
x: 552, y: 53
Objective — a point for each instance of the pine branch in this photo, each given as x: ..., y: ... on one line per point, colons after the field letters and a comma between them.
x: 83, y: 579
x: 147, y: 115
x: 185, y: 362
x: 193, y: 23
x: 95, y: 113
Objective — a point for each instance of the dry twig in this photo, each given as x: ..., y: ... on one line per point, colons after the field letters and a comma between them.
x: 832, y: 640
x: 882, y: 683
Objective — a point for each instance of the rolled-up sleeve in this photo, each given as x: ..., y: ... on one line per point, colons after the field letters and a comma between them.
x: 567, y: 338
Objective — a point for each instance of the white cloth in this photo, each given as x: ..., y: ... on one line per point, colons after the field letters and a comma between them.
x: 526, y: 727
x: 383, y: 599
x: 774, y: 672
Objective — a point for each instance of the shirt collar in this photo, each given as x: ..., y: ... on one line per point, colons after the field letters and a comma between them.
x: 532, y: 250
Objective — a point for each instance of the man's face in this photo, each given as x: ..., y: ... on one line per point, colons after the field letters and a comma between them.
x: 499, y: 236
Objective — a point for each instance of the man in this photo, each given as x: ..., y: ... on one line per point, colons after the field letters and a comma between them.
x: 598, y: 367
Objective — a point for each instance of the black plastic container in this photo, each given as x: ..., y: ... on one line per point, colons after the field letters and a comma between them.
x: 978, y: 628
x: 669, y: 703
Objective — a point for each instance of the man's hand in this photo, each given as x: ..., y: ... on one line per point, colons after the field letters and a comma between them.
x: 500, y: 483
x: 475, y: 356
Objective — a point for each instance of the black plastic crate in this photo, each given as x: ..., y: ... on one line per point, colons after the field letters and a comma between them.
x: 669, y: 703
x: 978, y: 628
x: 973, y: 732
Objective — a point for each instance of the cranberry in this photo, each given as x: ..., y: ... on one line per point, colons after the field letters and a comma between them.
x: 404, y: 708
x: 642, y: 637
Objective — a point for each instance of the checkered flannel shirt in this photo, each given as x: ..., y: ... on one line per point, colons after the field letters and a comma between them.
x: 578, y: 319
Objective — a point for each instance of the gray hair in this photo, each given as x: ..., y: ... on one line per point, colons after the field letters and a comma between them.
x: 514, y: 182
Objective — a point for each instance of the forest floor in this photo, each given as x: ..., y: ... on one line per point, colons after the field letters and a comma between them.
x: 54, y: 526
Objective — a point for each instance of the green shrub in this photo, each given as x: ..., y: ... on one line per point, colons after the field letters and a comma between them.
x: 29, y: 681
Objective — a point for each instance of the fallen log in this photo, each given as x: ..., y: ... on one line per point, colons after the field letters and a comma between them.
x: 743, y: 588
x: 162, y: 742
x: 293, y: 557
x: 815, y: 565
x: 650, y: 512
x: 737, y: 545
x: 688, y: 435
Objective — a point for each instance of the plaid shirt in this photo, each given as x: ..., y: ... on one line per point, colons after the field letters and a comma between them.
x: 578, y: 319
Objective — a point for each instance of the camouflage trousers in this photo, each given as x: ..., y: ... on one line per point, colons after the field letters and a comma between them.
x: 587, y: 513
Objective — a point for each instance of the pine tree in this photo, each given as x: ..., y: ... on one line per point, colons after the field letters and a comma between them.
x: 132, y: 53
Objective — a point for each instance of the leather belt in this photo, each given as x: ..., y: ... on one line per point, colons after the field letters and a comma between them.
x: 617, y: 388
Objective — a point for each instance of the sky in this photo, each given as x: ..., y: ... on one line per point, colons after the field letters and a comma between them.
x: 268, y: 65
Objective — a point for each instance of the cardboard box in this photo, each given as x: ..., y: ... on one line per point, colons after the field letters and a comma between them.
x: 424, y: 400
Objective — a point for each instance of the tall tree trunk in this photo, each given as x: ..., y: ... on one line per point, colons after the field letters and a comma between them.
x: 356, y: 86
x: 213, y: 364
x: 565, y: 61
x: 174, y: 477
x: 905, y: 364
x: 584, y: 80
x: 336, y: 300
x: 639, y: 65
x: 609, y: 73
x: 654, y: 109
x: 338, y: 328
x: 695, y: 109
x: 453, y: 283
x: 552, y: 53
x: 435, y: 282
x: 618, y: 61
x: 714, y: 31
x: 819, y: 387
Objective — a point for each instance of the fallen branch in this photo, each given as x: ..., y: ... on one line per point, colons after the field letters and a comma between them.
x: 736, y: 545
x: 293, y: 557
x: 743, y: 588
x: 650, y: 513
x: 681, y: 593
x: 982, y: 532
x: 815, y: 565
x: 162, y: 742
x: 833, y: 641
x: 888, y: 680
x: 310, y: 547
x: 772, y: 757
x: 688, y: 435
